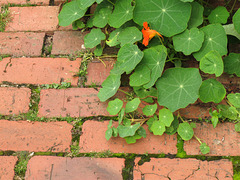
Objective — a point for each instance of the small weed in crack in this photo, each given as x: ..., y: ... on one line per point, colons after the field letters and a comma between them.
x: 5, y: 17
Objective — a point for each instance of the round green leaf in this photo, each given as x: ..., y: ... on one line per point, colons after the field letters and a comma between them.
x: 154, y: 58
x: 113, y: 37
x: 230, y: 30
x: 114, y: 106
x: 168, y: 17
x: 189, y: 41
x: 173, y: 128
x: 196, y: 18
x: 109, y: 87
x: 129, y: 56
x: 232, y: 64
x: 129, y: 35
x: 98, y: 51
x: 227, y: 111
x: 122, y: 13
x: 212, y: 91
x: 212, y: 63
x: 140, y: 76
x: 125, y: 131
x: 83, y: 4
x: 93, y: 38
x: 115, y: 132
x: 108, y: 133
x: 100, y: 18
x: 166, y: 116
x: 214, y: 121
x: 158, y: 128
x: 219, y: 15
x: 237, y: 127
x: 132, y: 105
x: 178, y: 87
x: 204, y: 148
x: 236, y: 21
x: 70, y: 13
x: 142, y: 132
x: 234, y: 99
x: 185, y: 131
x: 149, y: 110
x: 215, y: 38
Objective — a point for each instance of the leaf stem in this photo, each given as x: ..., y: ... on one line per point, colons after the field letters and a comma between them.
x: 233, y: 6
x: 111, y: 2
x: 124, y: 92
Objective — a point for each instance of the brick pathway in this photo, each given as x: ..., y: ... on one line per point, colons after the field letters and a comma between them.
x: 26, y: 67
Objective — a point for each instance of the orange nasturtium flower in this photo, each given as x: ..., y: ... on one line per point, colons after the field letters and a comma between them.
x: 148, y: 34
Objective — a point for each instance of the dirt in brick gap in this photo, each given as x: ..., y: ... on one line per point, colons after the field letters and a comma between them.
x: 47, y: 46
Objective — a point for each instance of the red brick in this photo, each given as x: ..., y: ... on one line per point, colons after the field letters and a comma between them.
x: 35, y: 136
x: 14, y: 100
x: 39, y: 18
x: 67, y: 42
x: 39, y: 70
x: 195, y: 112
x: 21, y: 2
x: 76, y: 102
x: 7, y: 164
x: 93, y: 140
x: 21, y: 43
x: 223, y: 140
x: 178, y: 169
x: 79, y: 168
x: 98, y: 72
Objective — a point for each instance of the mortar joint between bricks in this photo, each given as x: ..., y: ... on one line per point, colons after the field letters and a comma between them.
x: 47, y: 45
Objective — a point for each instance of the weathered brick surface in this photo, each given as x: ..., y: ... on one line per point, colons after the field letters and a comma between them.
x: 67, y: 42
x: 39, y: 18
x: 21, y: 43
x: 37, y: 136
x: 82, y: 168
x: 93, y: 140
x: 178, y: 169
x: 195, y: 112
x: 39, y: 70
x: 21, y: 2
x: 76, y: 102
x: 14, y: 100
x: 7, y: 164
x: 98, y: 72
x: 223, y: 140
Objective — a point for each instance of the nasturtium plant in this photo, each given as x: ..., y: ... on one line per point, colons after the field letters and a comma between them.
x: 212, y: 63
x: 94, y: 38
x: 219, y: 15
x: 166, y: 116
x: 185, y: 131
x: 204, y: 148
x: 212, y: 90
x: 234, y: 99
x: 163, y: 48
x: 215, y: 38
x: 178, y: 87
x: 196, y: 18
x: 236, y: 21
x: 70, y: 13
x: 173, y: 15
x: 189, y: 41
x: 150, y: 110
x: 114, y: 106
x: 232, y: 64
